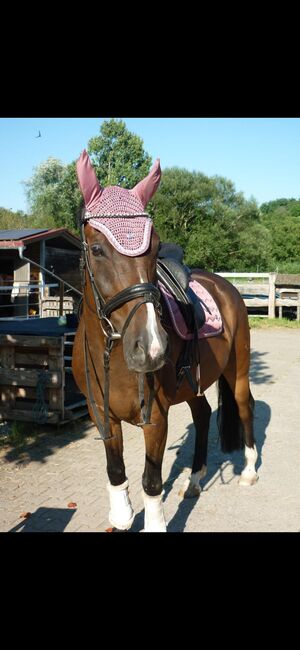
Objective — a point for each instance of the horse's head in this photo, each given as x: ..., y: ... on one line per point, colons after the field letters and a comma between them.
x: 121, y: 248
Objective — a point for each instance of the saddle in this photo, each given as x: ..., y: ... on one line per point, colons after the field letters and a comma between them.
x: 175, y: 276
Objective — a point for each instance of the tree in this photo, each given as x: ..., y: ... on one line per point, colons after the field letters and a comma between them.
x: 10, y: 220
x: 70, y: 199
x: 209, y: 219
x: 43, y: 192
x: 282, y: 220
x: 281, y: 207
x: 118, y: 155
x: 118, y: 158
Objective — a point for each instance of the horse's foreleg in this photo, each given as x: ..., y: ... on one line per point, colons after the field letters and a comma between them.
x: 121, y: 513
x: 201, y: 412
x: 155, y: 442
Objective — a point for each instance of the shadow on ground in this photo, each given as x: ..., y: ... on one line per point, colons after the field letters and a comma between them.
x: 46, y: 439
x: 45, y: 520
x: 259, y: 369
x: 217, y: 461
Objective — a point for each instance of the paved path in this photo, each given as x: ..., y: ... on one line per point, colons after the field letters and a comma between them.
x: 70, y: 466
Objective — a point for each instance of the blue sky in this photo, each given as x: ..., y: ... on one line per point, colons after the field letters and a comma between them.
x: 261, y: 156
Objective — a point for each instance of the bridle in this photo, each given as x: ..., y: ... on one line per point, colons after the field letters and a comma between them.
x: 149, y: 293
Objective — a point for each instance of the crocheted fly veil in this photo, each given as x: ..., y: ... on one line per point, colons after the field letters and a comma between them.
x: 119, y: 213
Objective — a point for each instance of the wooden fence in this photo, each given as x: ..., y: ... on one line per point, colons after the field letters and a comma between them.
x: 265, y: 294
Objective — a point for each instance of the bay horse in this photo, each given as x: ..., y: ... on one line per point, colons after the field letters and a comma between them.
x: 124, y: 357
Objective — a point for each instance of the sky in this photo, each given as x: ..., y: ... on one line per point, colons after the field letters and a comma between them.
x: 261, y: 156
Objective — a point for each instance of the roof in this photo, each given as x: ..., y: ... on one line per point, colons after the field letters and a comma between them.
x: 15, y: 238
x: 20, y: 234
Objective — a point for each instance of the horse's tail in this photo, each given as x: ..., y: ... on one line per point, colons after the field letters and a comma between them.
x: 229, y: 423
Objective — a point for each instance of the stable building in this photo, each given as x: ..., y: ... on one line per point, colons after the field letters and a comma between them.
x: 26, y: 289
x: 39, y: 281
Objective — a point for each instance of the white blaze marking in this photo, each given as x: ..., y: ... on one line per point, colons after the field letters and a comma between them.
x: 155, y: 344
x: 154, y: 340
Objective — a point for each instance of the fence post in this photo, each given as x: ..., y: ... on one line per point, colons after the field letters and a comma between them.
x: 272, y: 295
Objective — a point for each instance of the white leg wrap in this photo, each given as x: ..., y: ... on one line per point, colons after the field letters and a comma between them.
x: 249, y: 475
x: 154, y: 514
x: 121, y: 514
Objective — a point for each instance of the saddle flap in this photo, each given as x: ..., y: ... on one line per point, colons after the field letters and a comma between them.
x: 177, y: 272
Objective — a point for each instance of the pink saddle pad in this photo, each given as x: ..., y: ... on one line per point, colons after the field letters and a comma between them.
x: 213, y: 321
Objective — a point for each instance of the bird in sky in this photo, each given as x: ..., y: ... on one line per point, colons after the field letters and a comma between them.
x: 39, y: 135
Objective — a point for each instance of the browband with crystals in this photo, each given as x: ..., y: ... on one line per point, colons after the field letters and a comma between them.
x: 88, y: 215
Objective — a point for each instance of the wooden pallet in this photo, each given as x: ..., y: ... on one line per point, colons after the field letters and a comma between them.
x: 51, y: 306
x: 36, y: 380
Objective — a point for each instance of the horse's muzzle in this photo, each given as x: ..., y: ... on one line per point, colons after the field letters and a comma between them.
x: 141, y: 357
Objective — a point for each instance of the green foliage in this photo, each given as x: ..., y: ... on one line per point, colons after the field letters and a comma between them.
x: 281, y: 206
x: 53, y: 192
x: 70, y: 199
x: 118, y: 155
x: 282, y: 220
x: 19, y: 434
x: 54, y: 195
x: 10, y: 220
x: 42, y: 190
x: 217, y: 228
x: 268, y: 323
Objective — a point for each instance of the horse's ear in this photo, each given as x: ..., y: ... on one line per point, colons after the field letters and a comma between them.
x: 89, y: 184
x: 148, y: 186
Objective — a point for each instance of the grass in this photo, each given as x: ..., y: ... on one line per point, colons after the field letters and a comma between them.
x: 265, y: 323
x: 17, y: 434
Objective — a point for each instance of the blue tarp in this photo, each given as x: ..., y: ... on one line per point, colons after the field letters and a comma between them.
x: 39, y: 326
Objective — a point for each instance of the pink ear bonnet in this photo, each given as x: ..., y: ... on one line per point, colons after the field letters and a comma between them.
x: 119, y: 213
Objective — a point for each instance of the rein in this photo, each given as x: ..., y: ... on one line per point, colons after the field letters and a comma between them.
x: 149, y: 293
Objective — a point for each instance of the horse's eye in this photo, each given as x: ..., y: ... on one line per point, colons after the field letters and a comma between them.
x: 97, y: 249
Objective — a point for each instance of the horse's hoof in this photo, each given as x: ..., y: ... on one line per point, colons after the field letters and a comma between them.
x: 191, y: 491
x: 248, y: 478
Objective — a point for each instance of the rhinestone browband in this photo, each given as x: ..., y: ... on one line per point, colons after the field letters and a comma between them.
x: 89, y: 215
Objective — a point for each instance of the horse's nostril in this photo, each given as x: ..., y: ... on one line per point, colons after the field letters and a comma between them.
x: 139, y: 351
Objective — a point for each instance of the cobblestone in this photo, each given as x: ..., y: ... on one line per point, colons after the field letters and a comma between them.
x: 71, y: 466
